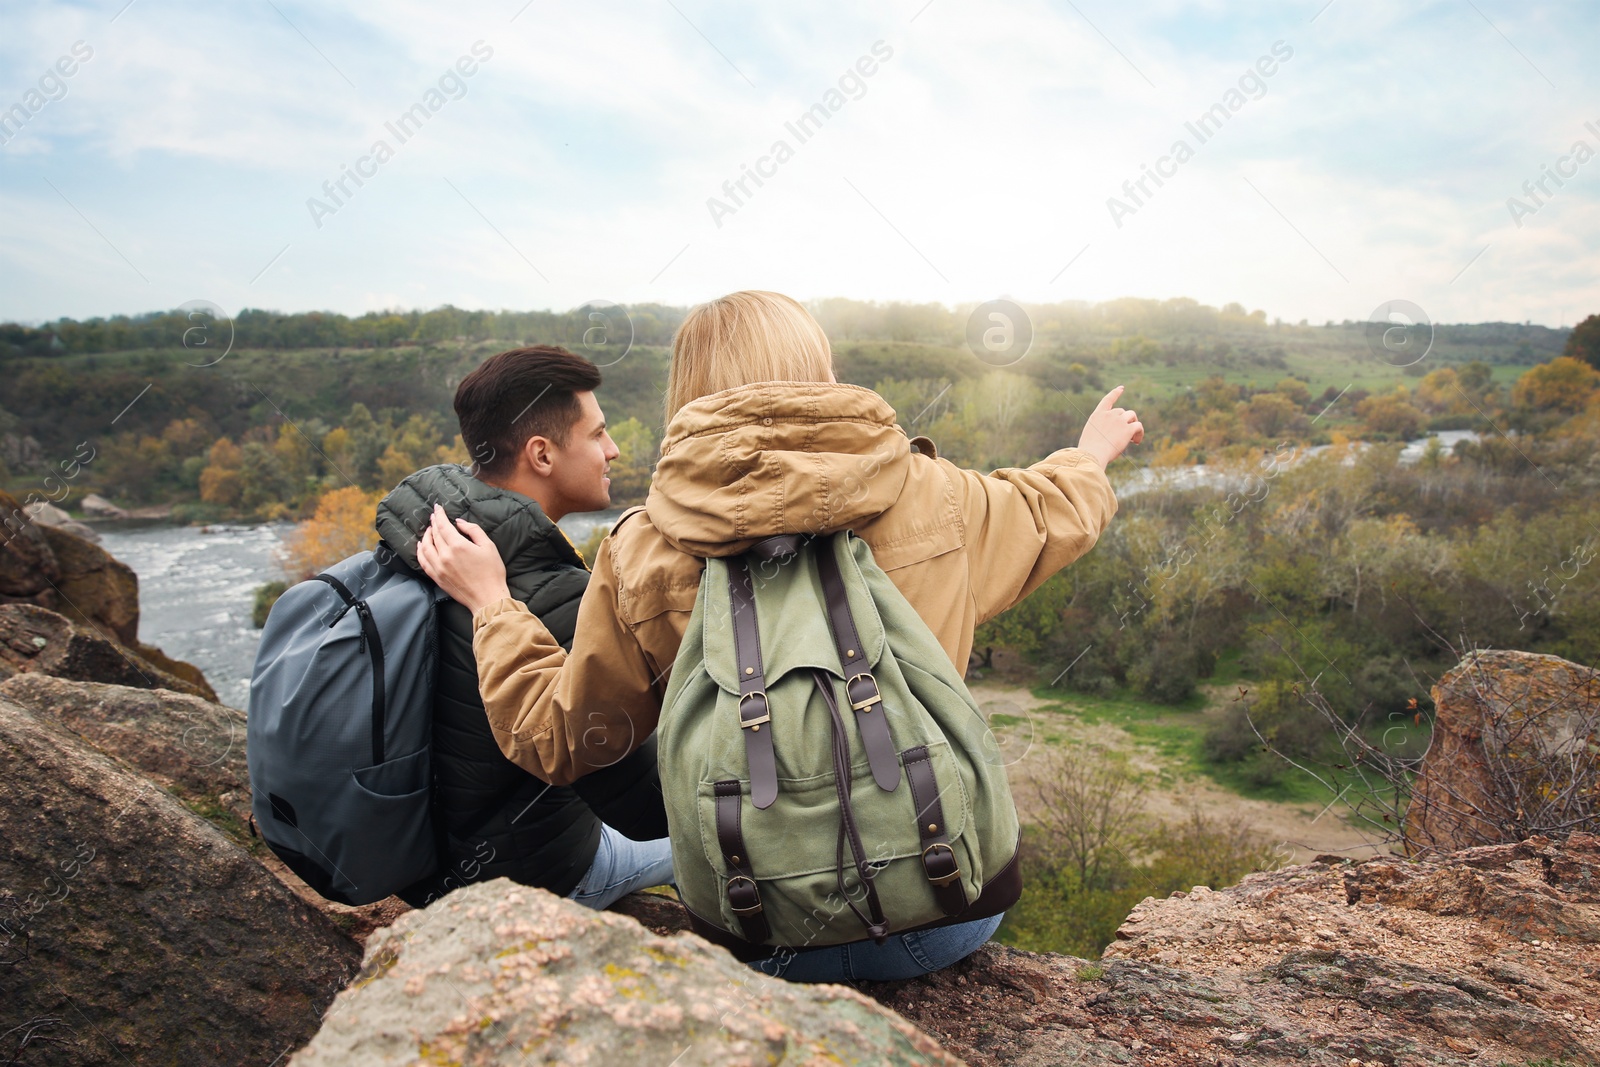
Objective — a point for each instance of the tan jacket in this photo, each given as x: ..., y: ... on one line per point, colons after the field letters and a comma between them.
x: 748, y: 463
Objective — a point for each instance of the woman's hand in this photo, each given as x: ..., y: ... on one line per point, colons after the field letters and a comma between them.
x: 1110, y: 430
x: 468, y: 568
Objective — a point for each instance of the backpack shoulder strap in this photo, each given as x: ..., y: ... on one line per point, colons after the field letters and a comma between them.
x: 372, y: 644
x: 754, y: 711
x: 860, y: 686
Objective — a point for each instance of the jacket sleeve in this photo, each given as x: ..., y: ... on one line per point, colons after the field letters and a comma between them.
x: 558, y: 715
x: 1025, y: 524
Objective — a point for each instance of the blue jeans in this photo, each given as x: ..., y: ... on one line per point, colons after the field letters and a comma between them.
x: 902, y: 956
x: 622, y: 865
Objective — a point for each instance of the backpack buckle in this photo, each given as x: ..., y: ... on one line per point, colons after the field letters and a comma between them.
x: 746, y: 890
x: 763, y: 712
x: 866, y: 703
x: 947, y: 856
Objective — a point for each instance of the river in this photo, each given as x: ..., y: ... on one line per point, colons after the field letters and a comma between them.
x: 197, y: 585
x: 1230, y: 479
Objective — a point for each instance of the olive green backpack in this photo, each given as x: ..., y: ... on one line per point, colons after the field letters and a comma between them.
x: 828, y: 778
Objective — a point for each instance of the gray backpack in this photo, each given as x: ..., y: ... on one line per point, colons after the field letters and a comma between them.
x: 340, y: 727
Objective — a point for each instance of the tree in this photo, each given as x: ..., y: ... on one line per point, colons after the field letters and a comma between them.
x: 1216, y: 393
x: 1089, y: 808
x: 1565, y: 385
x: 220, y: 481
x: 636, y: 459
x: 1440, y: 393
x: 1391, y: 414
x: 1295, y: 390
x: 264, y: 489
x: 296, y: 457
x: 1583, y: 343
x: 341, y: 526
x: 1271, y: 415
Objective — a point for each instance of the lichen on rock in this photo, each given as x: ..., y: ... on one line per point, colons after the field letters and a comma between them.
x: 500, y: 973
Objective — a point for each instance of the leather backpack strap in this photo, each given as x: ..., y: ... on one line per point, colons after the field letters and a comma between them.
x: 938, y: 858
x: 849, y: 830
x: 754, y: 712
x: 744, y: 896
x: 860, y: 687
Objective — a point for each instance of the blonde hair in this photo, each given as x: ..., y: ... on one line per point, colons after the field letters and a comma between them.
x: 742, y: 339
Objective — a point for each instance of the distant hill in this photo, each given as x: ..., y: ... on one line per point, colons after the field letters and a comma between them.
x: 68, y: 381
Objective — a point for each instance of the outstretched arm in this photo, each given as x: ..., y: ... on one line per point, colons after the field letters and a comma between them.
x: 1025, y: 524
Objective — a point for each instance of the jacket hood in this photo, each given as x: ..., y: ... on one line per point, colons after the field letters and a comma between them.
x: 517, y: 525
x: 775, y: 458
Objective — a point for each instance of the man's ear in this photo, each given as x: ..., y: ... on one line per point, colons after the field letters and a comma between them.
x: 538, y: 452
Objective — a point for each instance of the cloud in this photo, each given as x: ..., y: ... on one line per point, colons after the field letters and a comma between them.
x: 978, y: 161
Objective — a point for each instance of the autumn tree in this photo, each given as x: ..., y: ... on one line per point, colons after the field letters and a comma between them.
x: 414, y: 445
x: 220, y: 481
x: 1391, y: 414
x: 1296, y: 390
x: 1564, y: 385
x: 341, y: 526
x: 1217, y: 393
x: 1583, y: 343
x: 1271, y: 415
x: 298, y: 461
x: 336, y: 447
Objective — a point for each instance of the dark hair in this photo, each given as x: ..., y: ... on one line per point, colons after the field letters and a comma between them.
x: 516, y: 395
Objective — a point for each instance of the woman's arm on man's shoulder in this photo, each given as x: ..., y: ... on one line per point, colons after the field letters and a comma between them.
x: 558, y: 716
x: 561, y: 715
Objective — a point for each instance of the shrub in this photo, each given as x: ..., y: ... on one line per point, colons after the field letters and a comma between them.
x: 266, y: 596
x: 1167, y: 673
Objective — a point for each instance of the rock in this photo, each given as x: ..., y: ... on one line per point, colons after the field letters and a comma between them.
x: 1505, y: 729
x: 51, y: 567
x: 98, y: 506
x: 499, y: 973
x: 191, y: 747
x: 27, y: 566
x: 135, y: 931
x: 55, y: 569
x: 33, y: 639
x: 1530, y: 890
x: 95, y: 588
x: 49, y: 515
x: 1427, y: 955
x: 1425, y: 959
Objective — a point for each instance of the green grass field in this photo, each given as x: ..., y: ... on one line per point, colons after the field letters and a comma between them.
x: 1174, y: 734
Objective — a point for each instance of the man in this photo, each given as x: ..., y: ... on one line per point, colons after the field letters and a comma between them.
x: 530, y: 420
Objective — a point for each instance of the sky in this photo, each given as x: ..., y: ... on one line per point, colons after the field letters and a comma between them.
x: 1357, y: 152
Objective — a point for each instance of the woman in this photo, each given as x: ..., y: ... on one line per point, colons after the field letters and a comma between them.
x: 762, y: 440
